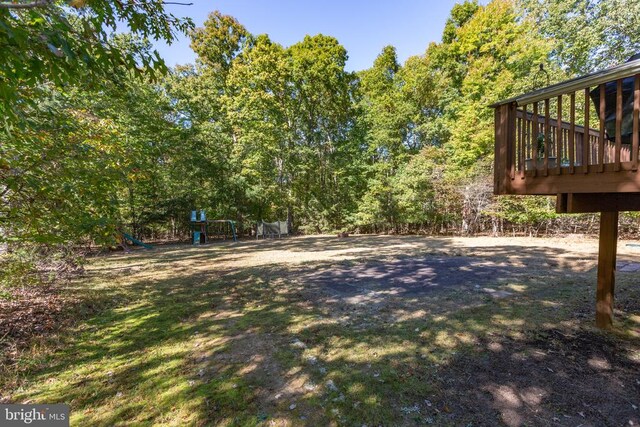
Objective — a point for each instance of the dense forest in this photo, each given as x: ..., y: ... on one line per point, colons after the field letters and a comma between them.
x: 99, y: 137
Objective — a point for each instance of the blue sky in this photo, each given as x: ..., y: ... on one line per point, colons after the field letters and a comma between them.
x: 362, y: 27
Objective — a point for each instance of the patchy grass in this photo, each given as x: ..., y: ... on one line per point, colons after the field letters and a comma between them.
x: 322, y: 331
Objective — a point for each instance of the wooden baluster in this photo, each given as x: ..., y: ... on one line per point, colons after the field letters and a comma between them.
x: 559, y: 137
x: 530, y: 138
x: 572, y: 131
x: 535, y: 130
x: 566, y: 148
x: 516, y: 142
x: 636, y: 125
x: 512, y: 138
x: 602, y: 114
x: 516, y: 145
x: 578, y: 147
x: 497, y: 159
x: 523, y: 141
x: 565, y: 144
x: 618, y: 124
x: 547, y: 136
x: 586, y: 136
x: 528, y: 130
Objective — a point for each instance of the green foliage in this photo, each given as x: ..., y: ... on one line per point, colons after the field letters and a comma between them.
x: 254, y: 130
x: 61, y: 42
x: 57, y: 179
x: 491, y: 57
x: 460, y: 14
x: 424, y: 194
x: 587, y: 35
x: 389, y: 105
x: 63, y: 176
x: 219, y: 41
x: 526, y: 210
x: 27, y: 264
x: 16, y: 270
x: 386, y: 112
x: 70, y: 96
x: 279, y: 121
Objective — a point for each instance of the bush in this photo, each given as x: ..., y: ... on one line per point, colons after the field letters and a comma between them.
x: 32, y: 265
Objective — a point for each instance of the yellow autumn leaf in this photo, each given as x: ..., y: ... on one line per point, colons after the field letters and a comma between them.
x: 77, y: 3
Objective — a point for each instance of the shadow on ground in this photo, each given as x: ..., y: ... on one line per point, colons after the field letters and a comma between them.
x: 401, y: 331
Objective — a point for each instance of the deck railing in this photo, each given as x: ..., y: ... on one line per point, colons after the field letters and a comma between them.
x: 580, y: 136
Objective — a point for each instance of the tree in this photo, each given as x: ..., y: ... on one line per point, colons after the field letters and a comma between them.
x: 75, y: 172
x: 386, y: 111
x: 260, y: 111
x: 219, y: 42
x: 253, y: 130
x: 60, y: 42
x: 586, y: 35
x: 326, y: 156
x: 390, y: 137
x: 499, y: 55
x: 282, y: 119
x: 199, y: 93
x: 423, y: 193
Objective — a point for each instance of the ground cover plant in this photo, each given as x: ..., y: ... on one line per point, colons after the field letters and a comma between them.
x: 367, y: 330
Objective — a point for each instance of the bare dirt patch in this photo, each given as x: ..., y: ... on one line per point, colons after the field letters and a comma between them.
x: 411, y: 277
x: 550, y: 377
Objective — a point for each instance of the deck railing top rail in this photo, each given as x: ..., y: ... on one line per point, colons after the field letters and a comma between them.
x: 627, y: 69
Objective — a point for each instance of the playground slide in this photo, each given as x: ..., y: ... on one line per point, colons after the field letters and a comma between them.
x: 136, y: 241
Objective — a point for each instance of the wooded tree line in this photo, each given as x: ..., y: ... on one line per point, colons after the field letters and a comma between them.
x: 97, y: 139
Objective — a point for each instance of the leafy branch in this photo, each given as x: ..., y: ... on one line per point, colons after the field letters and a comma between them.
x: 31, y: 5
x: 42, y: 3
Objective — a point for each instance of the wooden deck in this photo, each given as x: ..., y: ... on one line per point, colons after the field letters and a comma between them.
x: 577, y: 140
x: 563, y: 144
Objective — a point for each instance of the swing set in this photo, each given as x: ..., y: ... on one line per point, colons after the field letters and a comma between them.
x: 202, y: 229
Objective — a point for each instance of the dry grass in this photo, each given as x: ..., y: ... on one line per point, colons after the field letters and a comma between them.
x: 373, y: 330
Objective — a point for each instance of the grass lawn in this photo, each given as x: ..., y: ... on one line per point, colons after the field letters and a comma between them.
x: 367, y: 330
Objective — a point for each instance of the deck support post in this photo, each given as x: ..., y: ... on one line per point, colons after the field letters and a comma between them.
x: 606, y: 269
